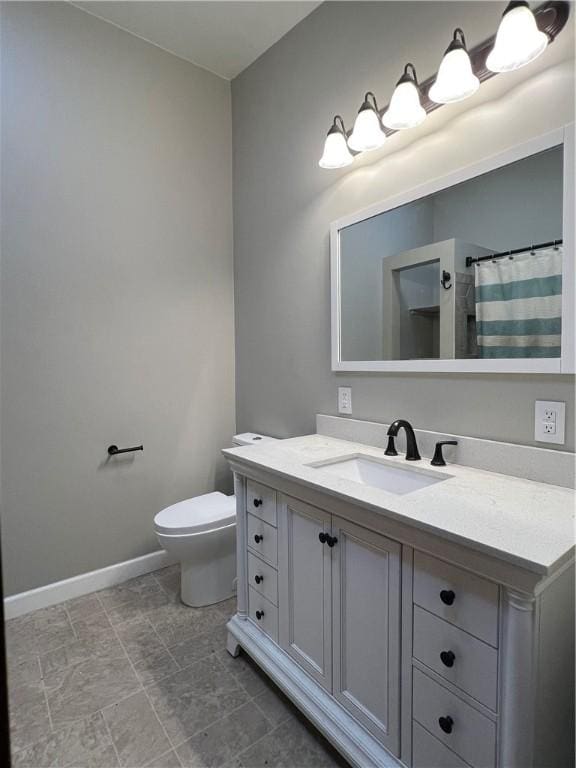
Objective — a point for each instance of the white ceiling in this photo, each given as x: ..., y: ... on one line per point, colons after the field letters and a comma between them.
x: 224, y: 37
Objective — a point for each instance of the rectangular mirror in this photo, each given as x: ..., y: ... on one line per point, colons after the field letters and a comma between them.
x: 472, y: 273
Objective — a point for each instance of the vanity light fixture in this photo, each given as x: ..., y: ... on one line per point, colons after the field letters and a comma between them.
x: 336, y: 153
x: 405, y: 109
x: 521, y: 37
x: 455, y: 80
x: 368, y: 133
x: 518, y: 40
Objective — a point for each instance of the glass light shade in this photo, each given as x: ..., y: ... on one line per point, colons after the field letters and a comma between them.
x: 336, y: 153
x: 404, y: 110
x: 518, y: 41
x: 367, y: 133
x: 455, y: 80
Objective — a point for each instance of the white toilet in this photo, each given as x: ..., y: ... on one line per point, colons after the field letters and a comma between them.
x: 201, y: 533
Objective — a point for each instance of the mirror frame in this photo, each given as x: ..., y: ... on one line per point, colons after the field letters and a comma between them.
x: 566, y: 363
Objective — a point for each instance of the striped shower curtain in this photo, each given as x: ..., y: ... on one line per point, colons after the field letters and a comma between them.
x: 519, y: 305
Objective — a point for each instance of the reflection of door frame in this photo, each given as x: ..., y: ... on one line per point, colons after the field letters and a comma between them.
x: 442, y: 252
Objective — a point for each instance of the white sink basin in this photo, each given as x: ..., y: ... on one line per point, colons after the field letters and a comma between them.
x: 381, y: 474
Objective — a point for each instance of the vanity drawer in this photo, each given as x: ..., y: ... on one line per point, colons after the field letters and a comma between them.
x: 472, y: 735
x: 263, y: 614
x: 263, y: 578
x: 474, y: 664
x: 261, y: 501
x: 460, y: 597
x: 262, y: 539
x: 428, y: 751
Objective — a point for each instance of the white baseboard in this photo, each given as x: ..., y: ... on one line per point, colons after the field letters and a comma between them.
x: 51, y: 594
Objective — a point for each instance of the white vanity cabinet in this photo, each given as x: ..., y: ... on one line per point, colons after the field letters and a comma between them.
x: 402, y: 648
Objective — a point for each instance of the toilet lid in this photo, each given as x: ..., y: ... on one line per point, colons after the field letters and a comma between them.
x: 202, y: 513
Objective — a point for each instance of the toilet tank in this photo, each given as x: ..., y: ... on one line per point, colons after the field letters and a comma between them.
x: 251, y: 438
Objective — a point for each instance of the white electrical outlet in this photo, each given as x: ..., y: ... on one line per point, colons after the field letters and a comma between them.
x: 345, y: 400
x: 549, y: 419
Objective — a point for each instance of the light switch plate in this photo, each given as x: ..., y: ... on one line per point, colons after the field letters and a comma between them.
x: 345, y: 400
x: 549, y: 421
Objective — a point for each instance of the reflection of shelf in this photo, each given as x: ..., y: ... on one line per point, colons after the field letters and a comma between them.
x: 434, y: 309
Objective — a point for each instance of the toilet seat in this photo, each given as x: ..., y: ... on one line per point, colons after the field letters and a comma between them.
x: 197, y: 515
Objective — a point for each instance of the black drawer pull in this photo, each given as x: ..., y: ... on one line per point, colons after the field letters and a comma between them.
x: 446, y: 724
x: 447, y: 658
x: 257, y: 502
x: 258, y: 579
x: 331, y: 540
x: 258, y: 538
x: 447, y: 596
x: 259, y: 615
x: 323, y: 537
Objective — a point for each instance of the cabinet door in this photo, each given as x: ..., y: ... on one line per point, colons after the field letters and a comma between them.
x: 304, y: 588
x: 366, y: 629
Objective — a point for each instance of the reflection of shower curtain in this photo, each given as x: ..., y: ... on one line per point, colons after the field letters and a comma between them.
x: 519, y: 305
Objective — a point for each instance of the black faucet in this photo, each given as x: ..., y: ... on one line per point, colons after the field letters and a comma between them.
x: 411, y: 446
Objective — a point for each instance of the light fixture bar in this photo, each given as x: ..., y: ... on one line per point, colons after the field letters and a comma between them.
x: 551, y: 18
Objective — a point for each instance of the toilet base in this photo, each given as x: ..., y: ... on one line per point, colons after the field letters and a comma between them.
x: 207, y: 583
x: 207, y: 562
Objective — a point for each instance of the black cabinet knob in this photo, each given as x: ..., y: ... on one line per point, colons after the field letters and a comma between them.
x: 323, y: 537
x: 258, y: 538
x: 257, y: 502
x: 331, y: 540
x: 259, y: 615
x: 447, y: 658
x: 446, y: 724
x: 447, y: 596
x: 258, y: 579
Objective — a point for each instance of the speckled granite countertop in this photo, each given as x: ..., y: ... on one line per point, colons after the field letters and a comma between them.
x: 526, y: 523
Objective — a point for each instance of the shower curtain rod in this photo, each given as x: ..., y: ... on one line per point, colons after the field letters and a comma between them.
x: 471, y: 260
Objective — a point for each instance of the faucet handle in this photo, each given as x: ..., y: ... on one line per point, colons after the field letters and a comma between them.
x: 391, y: 448
x: 438, y: 458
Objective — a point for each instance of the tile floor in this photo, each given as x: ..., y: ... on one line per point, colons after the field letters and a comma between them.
x: 130, y: 677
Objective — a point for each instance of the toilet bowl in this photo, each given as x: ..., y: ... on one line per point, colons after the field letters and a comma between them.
x: 201, y: 533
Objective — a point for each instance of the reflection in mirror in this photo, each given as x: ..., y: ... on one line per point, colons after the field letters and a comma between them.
x: 472, y: 271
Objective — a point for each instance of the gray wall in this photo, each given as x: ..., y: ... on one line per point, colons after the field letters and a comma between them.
x: 117, y: 289
x: 282, y: 107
